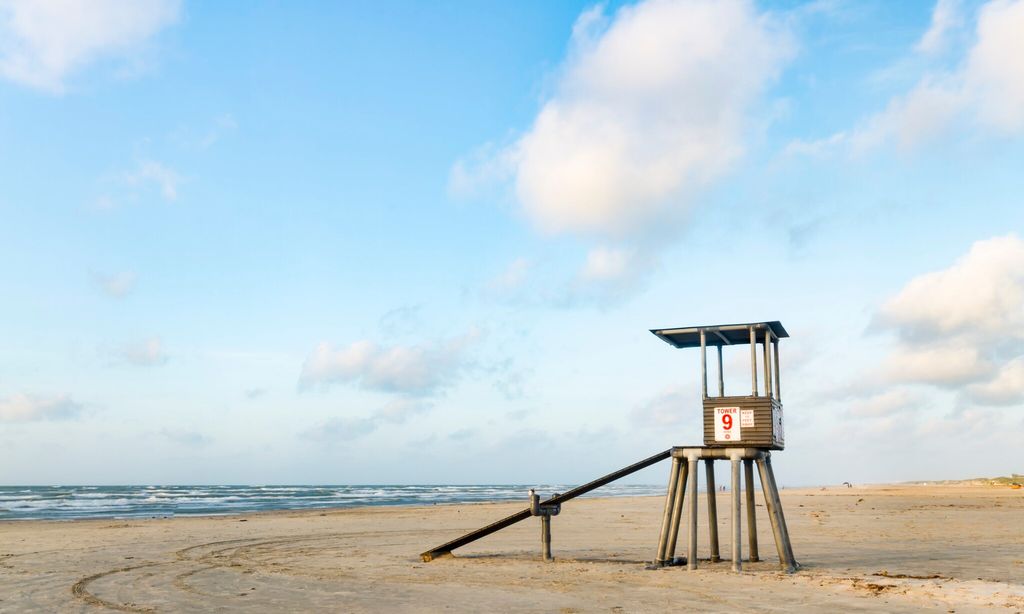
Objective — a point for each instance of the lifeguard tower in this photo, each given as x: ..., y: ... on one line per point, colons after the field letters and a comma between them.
x: 745, y: 420
x: 743, y: 429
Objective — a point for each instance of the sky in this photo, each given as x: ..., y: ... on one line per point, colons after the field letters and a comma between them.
x: 397, y: 242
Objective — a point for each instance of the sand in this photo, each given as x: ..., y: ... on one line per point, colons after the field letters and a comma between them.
x: 887, y: 548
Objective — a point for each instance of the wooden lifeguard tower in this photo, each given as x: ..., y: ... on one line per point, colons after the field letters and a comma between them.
x: 739, y: 428
x: 742, y: 429
x: 744, y: 420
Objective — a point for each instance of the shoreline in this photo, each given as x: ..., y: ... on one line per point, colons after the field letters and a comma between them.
x: 82, y: 502
x: 897, y: 548
x: 838, y: 490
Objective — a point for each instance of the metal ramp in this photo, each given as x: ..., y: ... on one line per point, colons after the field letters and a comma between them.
x: 494, y: 527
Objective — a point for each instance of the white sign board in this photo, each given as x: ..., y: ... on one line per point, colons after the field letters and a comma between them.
x: 747, y: 418
x: 777, y: 431
x: 727, y: 424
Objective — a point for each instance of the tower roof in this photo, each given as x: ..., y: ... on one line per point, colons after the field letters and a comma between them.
x: 720, y: 334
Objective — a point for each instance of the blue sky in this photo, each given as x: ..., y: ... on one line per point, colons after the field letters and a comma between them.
x: 396, y: 242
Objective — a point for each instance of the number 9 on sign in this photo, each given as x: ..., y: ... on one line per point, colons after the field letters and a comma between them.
x: 727, y: 425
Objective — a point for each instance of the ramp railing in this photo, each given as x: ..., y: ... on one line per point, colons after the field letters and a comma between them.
x: 508, y: 521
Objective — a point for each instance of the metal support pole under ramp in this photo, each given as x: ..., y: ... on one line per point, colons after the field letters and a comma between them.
x: 508, y: 521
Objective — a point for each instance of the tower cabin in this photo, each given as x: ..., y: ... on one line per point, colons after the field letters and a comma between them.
x: 753, y: 420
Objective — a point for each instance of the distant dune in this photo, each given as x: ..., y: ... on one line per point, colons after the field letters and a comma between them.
x: 1006, y: 480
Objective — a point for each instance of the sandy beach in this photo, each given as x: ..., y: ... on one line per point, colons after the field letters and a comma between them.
x: 883, y: 548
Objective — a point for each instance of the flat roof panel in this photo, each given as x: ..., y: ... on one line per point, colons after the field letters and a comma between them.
x: 719, y: 334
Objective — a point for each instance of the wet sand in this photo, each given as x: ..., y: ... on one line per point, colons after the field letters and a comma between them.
x: 884, y: 548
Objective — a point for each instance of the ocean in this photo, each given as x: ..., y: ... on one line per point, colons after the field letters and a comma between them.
x: 73, y: 502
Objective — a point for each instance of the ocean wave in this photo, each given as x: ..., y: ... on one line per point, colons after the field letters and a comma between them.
x: 72, y: 502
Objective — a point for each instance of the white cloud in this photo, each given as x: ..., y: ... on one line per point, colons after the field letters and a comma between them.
x: 609, y: 275
x: 943, y: 364
x: 817, y: 147
x: 26, y: 408
x: 512, y: 278
x: 969, y: 425
x: 981, y: 294
x: 885, y: 404
x: 396, y: 411
x: 945, y: 17
x: 412, y: 370
x: 962, y: 327
x: 472, y: 175
x: 652, y: 105
x: 670, y: 407
x: 222, y: 126
x: 341, y: 429
x: 117, y: 285
x: 185, y: 437
x: 511, y: 384
x: 141, y: 182
x: 43, y: 41
x: 985, y: 90
x: 606, y: 264
x: 995, y: 67
x: 147, y: 353
x: 463, y: 434
x: 912, y: 119
x: 164, y: 178
x: 191, y: 137
x: 1006, y: 388
x: 649, y: 111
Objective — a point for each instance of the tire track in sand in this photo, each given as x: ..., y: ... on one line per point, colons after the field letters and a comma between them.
x: 79, y: 590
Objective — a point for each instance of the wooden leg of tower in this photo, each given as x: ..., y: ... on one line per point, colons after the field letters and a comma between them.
x: 670, y: 499
x: 691, y: 551
x: 748, y: 474
x: 709, y: 466
x: 791, y: 564
x: 737, y: 524
x: 677, y: 512
x: 769, y: 502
